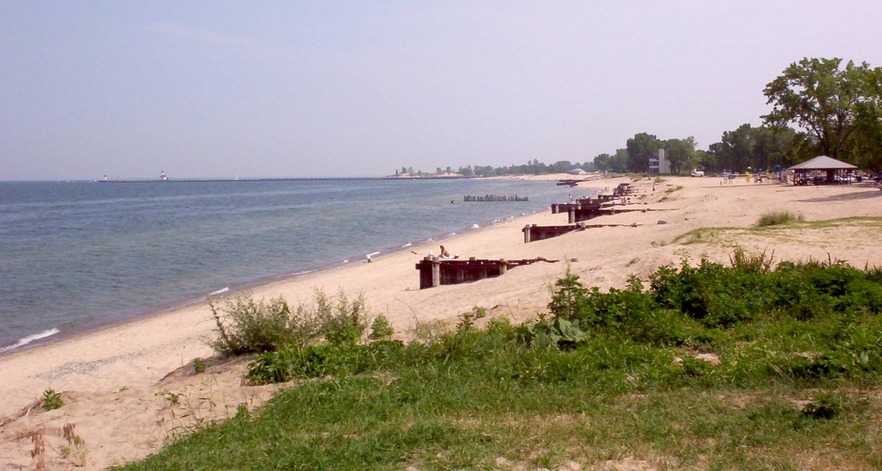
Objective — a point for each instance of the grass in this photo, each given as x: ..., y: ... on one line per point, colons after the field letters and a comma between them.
x: 728, y: 235
x: 602, y: 376
x: 673, y: 189
x: 777, y: 218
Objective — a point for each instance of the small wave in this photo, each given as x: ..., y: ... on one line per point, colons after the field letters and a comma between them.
x: 30, y: 338
x: 406, y: 245
x: 222, y: 290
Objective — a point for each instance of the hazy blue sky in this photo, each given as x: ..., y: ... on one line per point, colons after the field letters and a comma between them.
x: 360, y: 88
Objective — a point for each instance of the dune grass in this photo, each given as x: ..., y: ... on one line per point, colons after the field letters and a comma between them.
x: 777, y: 218
x: 746, y: 366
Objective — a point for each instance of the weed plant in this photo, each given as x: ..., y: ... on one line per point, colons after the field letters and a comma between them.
x: 797, y: 352
x: 381, y: 328
x: 51, y: 400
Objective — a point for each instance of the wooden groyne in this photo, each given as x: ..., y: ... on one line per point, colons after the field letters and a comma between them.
x: 581, y: 211
x: 584, y: 209
x: 533, y: 232
x: 471, y: 198
x: 435, y: 271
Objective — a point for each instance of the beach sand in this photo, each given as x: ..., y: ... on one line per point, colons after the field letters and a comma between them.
x: 129, y: 389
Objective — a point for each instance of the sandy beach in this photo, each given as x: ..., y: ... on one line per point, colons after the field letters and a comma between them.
x: 129, y: 389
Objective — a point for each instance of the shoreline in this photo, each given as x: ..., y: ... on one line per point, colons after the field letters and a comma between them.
x: 230, y: 289
x: 115, y: 382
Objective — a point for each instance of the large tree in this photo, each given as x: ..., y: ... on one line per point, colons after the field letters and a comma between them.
x: 760, y: 148
x: 824, y: 100
x: 735, y: 151
x: 681, y: 154
x: 640, y: 148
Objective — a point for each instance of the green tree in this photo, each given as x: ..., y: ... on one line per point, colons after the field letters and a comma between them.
x: 706, y: 160
x: 736, y: 149
x: 561, y: 166
x: 777, y: 146
x: 681, y: 154
x: 640, y: 148
x: 866, y: 143
x: 603, y: 162
x: 824, y: 100
x: 620, y: 161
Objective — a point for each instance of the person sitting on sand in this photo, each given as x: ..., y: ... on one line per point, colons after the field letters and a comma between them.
x: 444, y: 253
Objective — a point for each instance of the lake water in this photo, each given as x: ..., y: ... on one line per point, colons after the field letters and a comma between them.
x: 75, y: 255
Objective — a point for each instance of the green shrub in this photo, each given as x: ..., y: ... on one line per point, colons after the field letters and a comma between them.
x: 381, y: 328
x: 51, y: 400
x: 342, y: 321
x: 253, y: 326
x: 248, y: 326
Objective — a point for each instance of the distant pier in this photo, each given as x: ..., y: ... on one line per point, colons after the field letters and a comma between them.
x: 470, y: 198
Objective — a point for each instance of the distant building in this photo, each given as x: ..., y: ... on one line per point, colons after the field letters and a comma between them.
x: 577, y: 171
x: 659, y: 164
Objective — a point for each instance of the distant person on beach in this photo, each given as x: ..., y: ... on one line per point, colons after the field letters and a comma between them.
x: 444, y: 253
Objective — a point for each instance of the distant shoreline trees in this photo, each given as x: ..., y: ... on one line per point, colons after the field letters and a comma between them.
x: 833, y: 110
x: 533, y: 167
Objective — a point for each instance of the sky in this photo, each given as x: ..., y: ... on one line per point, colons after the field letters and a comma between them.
x: 290, y: 88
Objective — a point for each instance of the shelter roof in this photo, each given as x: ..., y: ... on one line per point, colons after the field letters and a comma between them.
x: 822, y: 162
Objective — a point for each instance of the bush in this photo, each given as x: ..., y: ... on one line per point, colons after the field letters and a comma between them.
x: 253, y: 326
x: 341, y: 321
x: 381, y: 328
x: 249, y: 326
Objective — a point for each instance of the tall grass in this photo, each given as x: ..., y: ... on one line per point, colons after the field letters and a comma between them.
x: 777, y: 218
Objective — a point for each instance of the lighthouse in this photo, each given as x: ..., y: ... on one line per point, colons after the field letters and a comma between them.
x: 163, y: 177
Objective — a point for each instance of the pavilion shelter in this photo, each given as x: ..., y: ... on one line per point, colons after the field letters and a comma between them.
x: 823, y: 170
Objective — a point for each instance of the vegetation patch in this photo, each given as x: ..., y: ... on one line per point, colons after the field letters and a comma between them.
x: 600, y: 375
x: 727, y: 236
x: 51, y: 400
x: 244, y: 325
x: 673, y: 189
x: 777, y: 218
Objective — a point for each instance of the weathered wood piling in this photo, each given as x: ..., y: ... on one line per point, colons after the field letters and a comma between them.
x: 583, y: 209
x: 533, y: 232
x: 471, y: 198
x: 435, y: 271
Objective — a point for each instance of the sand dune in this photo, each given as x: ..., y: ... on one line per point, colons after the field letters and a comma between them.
x: 129, y: 389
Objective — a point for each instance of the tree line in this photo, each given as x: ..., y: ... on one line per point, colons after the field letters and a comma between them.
x: 818, y: 107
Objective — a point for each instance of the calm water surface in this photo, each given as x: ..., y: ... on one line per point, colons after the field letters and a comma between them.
x: 74, y: 255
